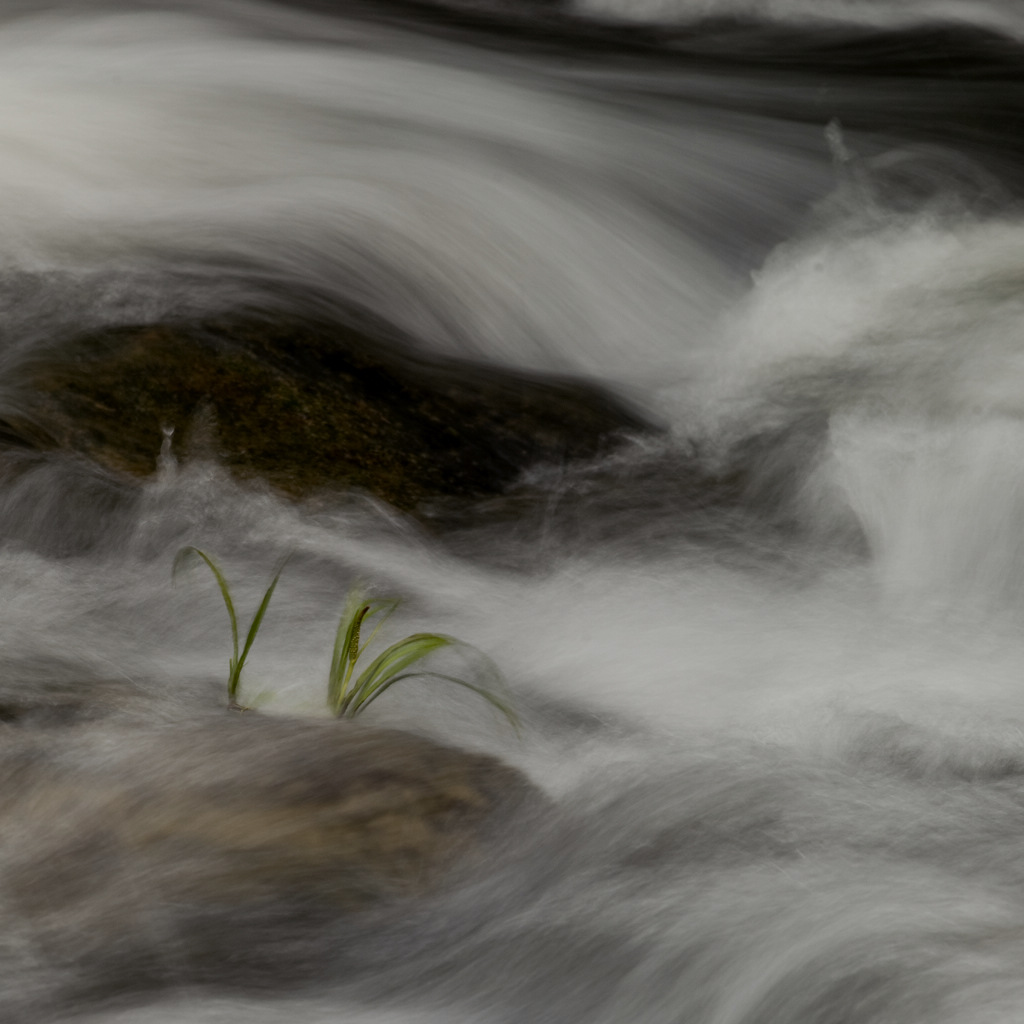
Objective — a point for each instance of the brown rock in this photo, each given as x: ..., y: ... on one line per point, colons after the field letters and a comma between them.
x: 306, y: 404
x: 103, y: 823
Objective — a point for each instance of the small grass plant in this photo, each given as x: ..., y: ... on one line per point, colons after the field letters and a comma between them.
x: 352, y: 688
x: 349, y: 691
x: 188, y: 555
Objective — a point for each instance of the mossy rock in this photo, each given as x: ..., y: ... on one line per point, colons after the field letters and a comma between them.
x: 305, y: 404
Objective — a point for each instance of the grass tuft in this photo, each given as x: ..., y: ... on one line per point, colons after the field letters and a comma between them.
x: 349, y: 693
x: 188, y: 555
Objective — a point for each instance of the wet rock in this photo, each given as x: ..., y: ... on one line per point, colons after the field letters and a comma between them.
x: 305, y: 404
x: 110, y: 821
x: 236, y: 849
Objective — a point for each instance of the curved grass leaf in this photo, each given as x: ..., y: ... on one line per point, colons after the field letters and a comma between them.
x: 398, y: 657
x: 190, y: 553
x: 481, y: 691
x: 254, y: 629
x: 237, y: 661
x: 347, y: 647
x: 393, y: 665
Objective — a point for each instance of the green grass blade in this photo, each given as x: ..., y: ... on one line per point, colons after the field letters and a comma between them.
x: 342, y: 643
x: 182, y: 558
x: 234, y: 675
x: 237, y: 661
x: 397, y: 658
x: 481, y: 691
x: 347, y: 699
x: 347, y: 647
x: 257, y: 621
x: 387, y: 606
x: 346, y: 655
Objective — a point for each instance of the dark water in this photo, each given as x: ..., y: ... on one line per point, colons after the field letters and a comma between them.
x: 784, y: 738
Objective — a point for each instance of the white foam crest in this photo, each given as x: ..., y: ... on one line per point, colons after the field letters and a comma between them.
x: 904, y: 340
x: 915, y: 312
x: 941, y: 504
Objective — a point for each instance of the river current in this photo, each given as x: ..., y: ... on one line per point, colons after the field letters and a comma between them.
x: 784, y: 737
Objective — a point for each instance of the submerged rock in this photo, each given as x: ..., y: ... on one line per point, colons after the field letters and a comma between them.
x: 238, y: 809
x: 240, y: 849
x: 305, y: 404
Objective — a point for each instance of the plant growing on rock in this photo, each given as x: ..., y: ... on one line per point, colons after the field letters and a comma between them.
x: 349, y: 693
x: 189, y: 554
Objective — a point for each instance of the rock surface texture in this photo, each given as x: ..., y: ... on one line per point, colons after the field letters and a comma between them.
x: 241, y: 808
x: 307, y: 405
x: 224, y: 847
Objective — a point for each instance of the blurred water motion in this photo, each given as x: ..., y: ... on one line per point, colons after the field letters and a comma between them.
x: 762, y: 624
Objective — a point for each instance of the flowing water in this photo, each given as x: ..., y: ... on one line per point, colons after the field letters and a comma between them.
x: 784, y: 738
